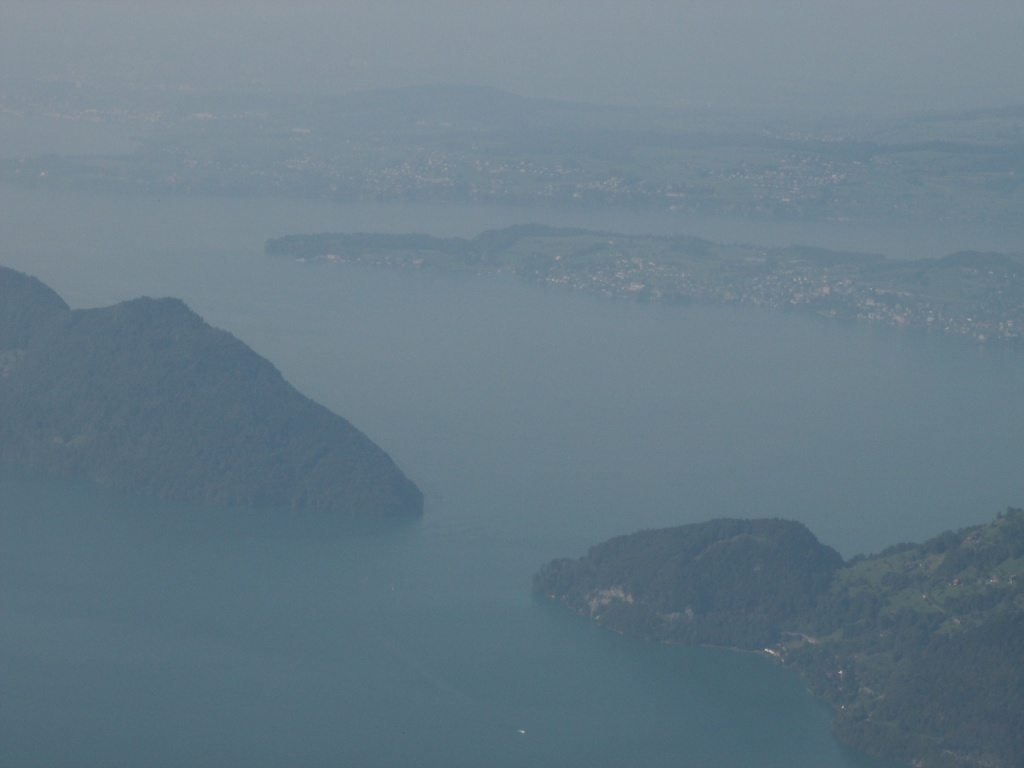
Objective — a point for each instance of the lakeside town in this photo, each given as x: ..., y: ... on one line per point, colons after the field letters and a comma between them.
x: 457, y: 145
x: 489, y: 147
x: 976, y: 296
x: 803, y: 286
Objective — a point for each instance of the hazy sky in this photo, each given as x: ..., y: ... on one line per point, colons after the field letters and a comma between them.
x: 783, y: 54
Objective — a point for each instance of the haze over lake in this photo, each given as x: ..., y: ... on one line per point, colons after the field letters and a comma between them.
x: 538, y: 422
x: 869, y: 57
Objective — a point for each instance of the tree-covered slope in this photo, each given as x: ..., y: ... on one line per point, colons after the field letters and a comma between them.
x: 26, y: 304
x: 723, y: 582
x: 145, y: 397
x: 919, y: 649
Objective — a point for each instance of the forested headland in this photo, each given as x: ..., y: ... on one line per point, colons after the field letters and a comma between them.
x: 919, y: 649
x: 147, y: 398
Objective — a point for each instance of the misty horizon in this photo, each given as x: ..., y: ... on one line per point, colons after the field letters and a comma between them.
x: 805, y: 57
x: 814, y: 313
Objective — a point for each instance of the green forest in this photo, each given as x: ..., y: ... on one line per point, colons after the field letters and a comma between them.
x: 919, y: 649
x: 147, y: 398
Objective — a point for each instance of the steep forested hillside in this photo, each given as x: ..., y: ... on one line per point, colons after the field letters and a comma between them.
x: 26, y: 304
x: 723, y: 582
x: 145, y: 397
x: 919, y: 649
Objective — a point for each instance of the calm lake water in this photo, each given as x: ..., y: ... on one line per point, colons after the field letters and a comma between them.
x: 538, y: 422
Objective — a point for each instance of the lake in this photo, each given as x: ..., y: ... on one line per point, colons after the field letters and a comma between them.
x: 538, y: 422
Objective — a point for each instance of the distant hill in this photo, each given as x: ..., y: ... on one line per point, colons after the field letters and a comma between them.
x: 145, y: 397
x: 919, y: 649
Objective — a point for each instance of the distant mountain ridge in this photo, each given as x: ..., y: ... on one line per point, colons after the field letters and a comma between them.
x: 478, y: 145
x: 147, y: 398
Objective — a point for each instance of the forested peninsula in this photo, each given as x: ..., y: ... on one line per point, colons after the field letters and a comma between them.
x: 973, y: 295
x: 145, y: 397
x: 919, y: 649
